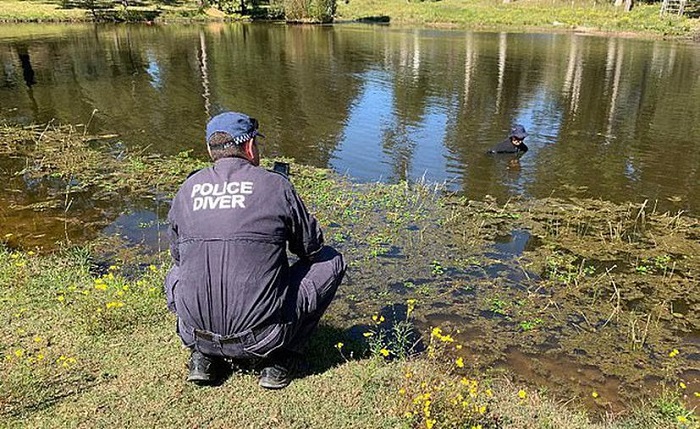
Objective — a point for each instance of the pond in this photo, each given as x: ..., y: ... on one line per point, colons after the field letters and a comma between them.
x: 608, y: 118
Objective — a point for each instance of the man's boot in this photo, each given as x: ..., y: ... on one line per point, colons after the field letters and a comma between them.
x: 279, y: 372
x: 202, y: 368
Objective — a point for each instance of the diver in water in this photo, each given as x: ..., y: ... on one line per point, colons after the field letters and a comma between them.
x: 515, y: 143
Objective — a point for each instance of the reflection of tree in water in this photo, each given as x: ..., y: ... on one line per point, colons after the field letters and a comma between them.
x: 26, y: 63
x: 614, y: 103
x: 399, y: 148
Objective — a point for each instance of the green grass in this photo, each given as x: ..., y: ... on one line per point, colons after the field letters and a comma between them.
x: 19, y: 10
x: 70, y: 359
x: 522, y: 15
x: 52, y: 10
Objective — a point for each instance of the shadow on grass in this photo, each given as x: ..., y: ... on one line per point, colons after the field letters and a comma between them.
x: 331, y: 346
x: 380, y: 19
x: 324, y: 352
x: 53, y: 391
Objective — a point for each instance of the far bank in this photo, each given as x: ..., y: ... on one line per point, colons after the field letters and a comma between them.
x: 644, y: 20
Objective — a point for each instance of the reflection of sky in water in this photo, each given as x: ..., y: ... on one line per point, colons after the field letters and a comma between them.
x: 630, y: 170
x: 140, y: 227
x: 370, y: 114
x: 429, y: 154
x: 376, y: 137
x: 153, y: 70
x: 374, y: 119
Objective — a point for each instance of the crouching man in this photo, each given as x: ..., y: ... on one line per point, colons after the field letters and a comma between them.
x: 231, y: 286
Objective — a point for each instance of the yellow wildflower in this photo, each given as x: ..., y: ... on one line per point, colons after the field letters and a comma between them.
x: 152, y: 268
x: 30, y: 253
x: 682, y: 385
x: 40, y: 356
x: 384, y: 352
x: 673, y: 353
x: 482, y: 409
x: 682, y: 419
x: 61, y: 298
x: 112, y: 267
x: 429, y: 423
x: 410, y: 306
x: 594, y: 394
x: 402, y: 391
x: 697, y: 394
x: 477, y: 427
x: 19, y: 353
x: 458, y: 347
x: 522, y: 394
x: 37, y: 339
x: 339, y: 346
x: 460, y: 362
x: 368, y: 334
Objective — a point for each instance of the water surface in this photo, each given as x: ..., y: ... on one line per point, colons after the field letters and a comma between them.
x: 609, y: 118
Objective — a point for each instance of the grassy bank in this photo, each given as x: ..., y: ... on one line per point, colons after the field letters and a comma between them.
x: 84, y: 346
x: 85, y: 338
x: 524, y: 14
x: 519, y: 15
x: 52, y: 11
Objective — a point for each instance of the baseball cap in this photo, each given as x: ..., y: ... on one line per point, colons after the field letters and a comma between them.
x: 239, y: 126
x: 518, y: 132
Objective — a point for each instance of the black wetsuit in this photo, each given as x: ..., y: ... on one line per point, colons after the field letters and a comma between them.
x: 507, y: 147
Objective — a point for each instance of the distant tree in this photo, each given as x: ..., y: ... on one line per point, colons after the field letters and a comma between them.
x: 628, y: 4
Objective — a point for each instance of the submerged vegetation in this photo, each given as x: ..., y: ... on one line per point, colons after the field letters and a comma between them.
x: 440, y: 323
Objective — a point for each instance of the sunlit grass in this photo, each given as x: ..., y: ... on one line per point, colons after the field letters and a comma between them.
x: 52, y: 10
x: 522, y: 14
x: 19, y: 10
x: 69, y: 358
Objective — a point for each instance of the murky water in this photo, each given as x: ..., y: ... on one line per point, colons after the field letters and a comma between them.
x: 609, y: 118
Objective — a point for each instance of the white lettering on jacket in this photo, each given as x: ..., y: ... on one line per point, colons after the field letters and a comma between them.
x: 227, y: 195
